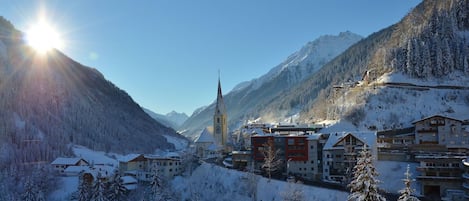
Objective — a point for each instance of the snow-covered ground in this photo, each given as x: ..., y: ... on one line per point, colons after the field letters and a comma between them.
x: 68, y: 185
x: 178, y: 143
x: 96, y: 157
x: 211, y: 182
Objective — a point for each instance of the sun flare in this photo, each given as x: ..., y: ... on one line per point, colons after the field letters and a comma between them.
x: 43, y: 37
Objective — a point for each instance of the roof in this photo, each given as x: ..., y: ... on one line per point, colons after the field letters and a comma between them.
x: 436, y: 116
x: 369, y: 138
x: 205, y: 136
x: 66, y: 161
x: 129, y: 157
x: 128, y: 180
x: 73, y: 169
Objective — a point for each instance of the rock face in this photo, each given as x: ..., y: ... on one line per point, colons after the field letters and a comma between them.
x: 50, y: 101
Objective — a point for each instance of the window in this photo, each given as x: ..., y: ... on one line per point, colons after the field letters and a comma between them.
x: 312, y: 169
x: 312, y: 162
x: 311, y: 147
x: 291, y: 141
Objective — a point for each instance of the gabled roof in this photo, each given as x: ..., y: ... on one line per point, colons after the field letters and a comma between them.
x: 369, y: 138
x: 129, y: 157
x: 441, y: 116
x: 67, y: 161
x: 205, y: 137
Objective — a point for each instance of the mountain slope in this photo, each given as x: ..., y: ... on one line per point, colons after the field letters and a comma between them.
x: 172, y: 119
x: 49, y: 101
x: 248, y: 98
x: 428, y: 47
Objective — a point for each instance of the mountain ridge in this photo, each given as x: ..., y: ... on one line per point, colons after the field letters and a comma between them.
x: 243, y: 102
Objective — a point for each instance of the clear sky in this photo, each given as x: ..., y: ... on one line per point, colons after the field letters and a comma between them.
x: 166, y: 54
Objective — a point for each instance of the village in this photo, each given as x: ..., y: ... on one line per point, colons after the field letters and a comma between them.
x: 438, y: 144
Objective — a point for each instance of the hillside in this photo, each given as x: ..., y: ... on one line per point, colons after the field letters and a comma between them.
x: 172, y: 119
x: 247, y: 99
x: 428, y: 47
x: 50, y: 101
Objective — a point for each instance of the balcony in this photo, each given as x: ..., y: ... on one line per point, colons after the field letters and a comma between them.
x: 465, y: 185
x: 465, y: 175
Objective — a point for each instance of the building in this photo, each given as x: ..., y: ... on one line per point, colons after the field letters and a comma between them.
x: 440, y: 133
x: 143, y: 167
x: 61, y: 163
x: 206, y: 146
x: 220, y: 121
x: 310, y: 169
x: 340, y: 154
x: 440, y: 173
x: 396, y: 144
x: 291, y: 151
x: 241, y: 159
x: 465, y: 177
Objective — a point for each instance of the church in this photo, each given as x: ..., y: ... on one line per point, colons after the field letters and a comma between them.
x: 213, y: 141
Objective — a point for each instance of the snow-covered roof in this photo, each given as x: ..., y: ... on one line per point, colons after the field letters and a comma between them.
x: 314, y: 136
x: 441, y: 116
x: 205, y: 136
x: 104, y: 170
x: 369, y: 138
x: 66, y: 161
x: 128, y: 180
x: 129, y: 157
x: 77, y: 169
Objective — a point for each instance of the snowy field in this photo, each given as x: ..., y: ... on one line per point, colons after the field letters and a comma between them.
x: 211, y: 182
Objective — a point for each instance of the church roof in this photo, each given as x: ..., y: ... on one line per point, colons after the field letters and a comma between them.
x: 205, y: 136
x: 220, y: 106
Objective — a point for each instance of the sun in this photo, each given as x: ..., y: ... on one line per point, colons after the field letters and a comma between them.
x: 43, y: 37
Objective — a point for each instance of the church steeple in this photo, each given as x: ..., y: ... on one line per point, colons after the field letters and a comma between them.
x: 220, y: 129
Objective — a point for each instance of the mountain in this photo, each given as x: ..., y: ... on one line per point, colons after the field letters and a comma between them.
x: 49, y: 101
x: 415, y: 68
x: 172, y: 119
x: 248, y: 98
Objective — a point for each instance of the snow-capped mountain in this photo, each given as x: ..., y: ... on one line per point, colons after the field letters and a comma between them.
x: 411, y: 70
x: 50, y: 101
x: 172, y: 119
x: 247, y: 98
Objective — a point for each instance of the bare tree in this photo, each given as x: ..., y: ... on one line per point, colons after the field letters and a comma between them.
x: 271, y: 160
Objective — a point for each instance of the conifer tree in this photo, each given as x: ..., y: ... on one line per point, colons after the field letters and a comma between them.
x: 364, y: 186
x: 99, y: 189
x: 406, y: 193
x: 83, y: 192
x: 117, y: 190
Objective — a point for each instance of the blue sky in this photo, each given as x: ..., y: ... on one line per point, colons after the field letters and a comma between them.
x: 166, y: 54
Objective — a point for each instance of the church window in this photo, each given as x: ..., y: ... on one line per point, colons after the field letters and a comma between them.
x: 218, y: 120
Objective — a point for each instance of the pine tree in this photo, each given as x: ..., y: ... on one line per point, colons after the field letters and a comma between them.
x: 83, y: 192
x: 99, y: 189
x: 117, y: 190
x: 30, y: 192
x: 271, y: 161
x: 364, y: 186
x: 406, y: 193
x: 156, y: 186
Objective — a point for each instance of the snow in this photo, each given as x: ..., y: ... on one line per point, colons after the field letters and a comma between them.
x: 68, y: 185
x: 95, y: 157
x: 179, y: 143
x: 391, y: 174
x: 65, y: 161
x: 3, y: 52
x: 211, y: 182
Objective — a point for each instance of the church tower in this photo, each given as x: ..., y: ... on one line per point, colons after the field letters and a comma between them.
x: 220, y: 128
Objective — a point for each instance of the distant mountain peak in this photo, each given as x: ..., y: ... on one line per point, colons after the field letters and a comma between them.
x: 247, y: 98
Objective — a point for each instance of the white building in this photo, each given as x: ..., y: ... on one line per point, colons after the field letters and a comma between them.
x: 340, y: 154
x: 61, y: 163
x: 205, y: 145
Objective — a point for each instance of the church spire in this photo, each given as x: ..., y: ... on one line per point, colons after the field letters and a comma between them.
x: 220, y: 118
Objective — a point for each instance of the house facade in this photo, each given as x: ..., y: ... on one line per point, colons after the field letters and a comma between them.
x: 143, y: 167
x: 443, y: 132
x: 340, y: 154
x: 62, y: 163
